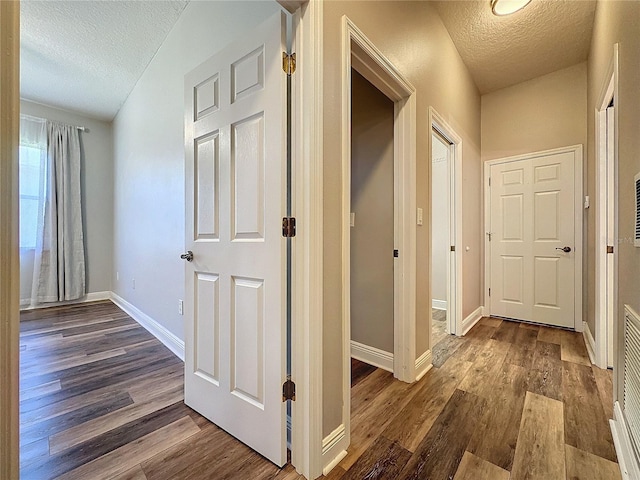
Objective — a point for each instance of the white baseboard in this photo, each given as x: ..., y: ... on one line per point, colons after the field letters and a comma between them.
x: 372, y: 356
x: 629, y: 464
x: 438, y: 304
x: 471, y: 320
x: 334, y: 449
x: 169, y: 340
x: 89, y: 297
x: 589, y: 342
x: 423, y: 364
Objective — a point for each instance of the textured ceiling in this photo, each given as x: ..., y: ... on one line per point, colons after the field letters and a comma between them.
x: 546, y: 36
x: 88, y: 55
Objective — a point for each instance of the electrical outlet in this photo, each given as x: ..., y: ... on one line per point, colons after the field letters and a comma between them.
x: 419, y: 219
x: 133, y: 283
x: 117, y: 276
x: 180, y: 307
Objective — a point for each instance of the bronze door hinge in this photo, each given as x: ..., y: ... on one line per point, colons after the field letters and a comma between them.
x: 289, y: 227
x: 288, y: 390
x: 289, y: 63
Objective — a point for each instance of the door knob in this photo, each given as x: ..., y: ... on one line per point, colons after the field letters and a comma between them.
x: 564, y: 249
x: 187, y: 256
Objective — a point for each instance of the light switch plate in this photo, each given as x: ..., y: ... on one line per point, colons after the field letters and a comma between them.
x: 420, y: 220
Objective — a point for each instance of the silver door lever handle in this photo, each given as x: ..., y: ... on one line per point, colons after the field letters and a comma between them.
x: 187, y: 256
x: 564, y: 249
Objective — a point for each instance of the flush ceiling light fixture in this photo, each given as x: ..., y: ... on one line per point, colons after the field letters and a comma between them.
x: 507, y: 7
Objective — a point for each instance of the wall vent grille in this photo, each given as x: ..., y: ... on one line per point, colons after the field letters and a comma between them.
x: 636, y: 240
x: 632, y: 375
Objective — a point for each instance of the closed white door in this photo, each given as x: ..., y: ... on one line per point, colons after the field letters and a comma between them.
x: 235, y: 306
x: 532, y: 221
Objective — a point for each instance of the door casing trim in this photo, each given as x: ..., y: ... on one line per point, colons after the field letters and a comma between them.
x: 360, y: 53
x: 578, y: 225
x: 307, y: 248
x: 10, y: 271
x: 454, y: 266
x: 609, y: 90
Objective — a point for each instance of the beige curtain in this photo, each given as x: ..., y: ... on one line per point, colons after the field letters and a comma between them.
x: 59, y: 263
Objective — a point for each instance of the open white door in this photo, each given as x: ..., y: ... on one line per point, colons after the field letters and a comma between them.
x: 235, y: 306
x: 611, y: 233
x: 533, y: 244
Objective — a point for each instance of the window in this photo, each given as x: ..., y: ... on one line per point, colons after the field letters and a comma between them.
x: 32, y: 177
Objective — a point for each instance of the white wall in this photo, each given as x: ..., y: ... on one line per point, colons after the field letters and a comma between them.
x: 439, y: 219
x: 97, y: 191
x: 149, y: 226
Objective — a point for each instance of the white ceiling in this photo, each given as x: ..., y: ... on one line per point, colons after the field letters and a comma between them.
x: 546, y: 36
x: 87, y: 56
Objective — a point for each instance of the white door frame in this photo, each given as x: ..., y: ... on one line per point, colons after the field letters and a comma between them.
x: 361, y: 54
x: 606, y: 304
x: 454, y: 266
x: 307, y: 247
x: 578, y: 211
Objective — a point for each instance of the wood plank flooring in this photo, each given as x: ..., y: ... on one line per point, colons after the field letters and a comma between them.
x: 509, y: 400
x: 102, y: 399
x: 438, y: 325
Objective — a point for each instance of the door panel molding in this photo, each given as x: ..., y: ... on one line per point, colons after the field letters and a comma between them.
x: 578, y: 248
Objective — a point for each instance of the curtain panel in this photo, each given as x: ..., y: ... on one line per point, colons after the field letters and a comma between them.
x: 58, y: 255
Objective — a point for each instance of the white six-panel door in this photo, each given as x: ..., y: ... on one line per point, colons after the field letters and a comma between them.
x: 531, y: 219
x: 235, y: 310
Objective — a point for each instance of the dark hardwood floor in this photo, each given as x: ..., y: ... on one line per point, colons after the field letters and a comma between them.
x: 102, y: 399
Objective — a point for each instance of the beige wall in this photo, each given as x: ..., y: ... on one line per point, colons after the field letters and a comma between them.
x: 540, y: 114
x: 617, y: 22
x: 372, y: 203
x: 412, y: 36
